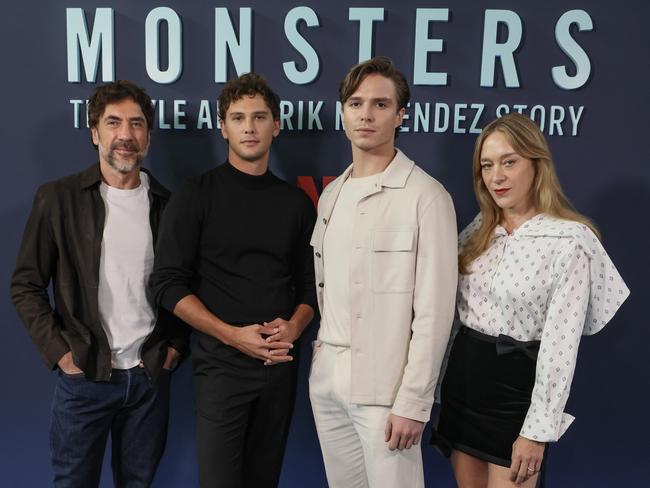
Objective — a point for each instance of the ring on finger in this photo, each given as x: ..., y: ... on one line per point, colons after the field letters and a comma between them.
x: 531, y: 470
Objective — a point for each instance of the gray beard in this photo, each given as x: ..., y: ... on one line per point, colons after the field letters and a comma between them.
x: 124, y: 168
x: 127, y: 166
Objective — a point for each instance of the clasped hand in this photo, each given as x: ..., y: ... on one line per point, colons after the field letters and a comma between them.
x: 269, y: 342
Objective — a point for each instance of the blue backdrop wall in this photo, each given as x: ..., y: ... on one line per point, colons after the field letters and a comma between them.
x: 580, y: 68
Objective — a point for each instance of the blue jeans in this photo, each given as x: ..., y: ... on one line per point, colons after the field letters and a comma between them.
x: 130, y: 407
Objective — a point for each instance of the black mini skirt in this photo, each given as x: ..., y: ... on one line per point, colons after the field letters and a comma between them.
x: 485, y: 395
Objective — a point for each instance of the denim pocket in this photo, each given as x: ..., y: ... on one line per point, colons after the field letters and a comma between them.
x: 80, y: 374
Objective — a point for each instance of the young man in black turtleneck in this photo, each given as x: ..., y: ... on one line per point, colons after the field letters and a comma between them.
x: 233, y: 260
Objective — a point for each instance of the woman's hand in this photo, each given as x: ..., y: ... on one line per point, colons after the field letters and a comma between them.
x: 526, y: 459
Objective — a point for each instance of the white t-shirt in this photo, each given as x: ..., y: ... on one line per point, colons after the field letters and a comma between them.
x: 125, y: 312
x: 337, y: 246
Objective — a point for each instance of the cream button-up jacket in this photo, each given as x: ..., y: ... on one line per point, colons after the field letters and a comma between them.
x: 403, y: 278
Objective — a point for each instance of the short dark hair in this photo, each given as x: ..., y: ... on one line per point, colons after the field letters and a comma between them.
x: 380, y: 65
x: 249, y: 84
x: 116, y: 92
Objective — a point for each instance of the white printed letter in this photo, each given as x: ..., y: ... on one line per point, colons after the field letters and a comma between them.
x: 424, y: 46
x: 365, y: 16
x: 572, y: 49
x: 100, y: 42
x: 174, y: 45
x: 225, y: 40
x: 505, y: 51
x: 294, y: 16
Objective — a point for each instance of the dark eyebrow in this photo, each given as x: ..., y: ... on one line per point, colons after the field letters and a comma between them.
x: 374, y: 100
x: 131, y: 119
x: 257, y: 112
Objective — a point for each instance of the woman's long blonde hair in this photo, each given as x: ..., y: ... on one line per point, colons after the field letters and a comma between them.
x: 529, y: 142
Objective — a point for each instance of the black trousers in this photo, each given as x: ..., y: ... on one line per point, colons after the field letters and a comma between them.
x: 243, y: 413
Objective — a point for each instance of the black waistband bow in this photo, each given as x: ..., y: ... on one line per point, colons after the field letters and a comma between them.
x: 506, y: 345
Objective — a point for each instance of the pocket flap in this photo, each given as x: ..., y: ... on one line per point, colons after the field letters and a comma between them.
x: 315, y: 235
x: 392, y: 240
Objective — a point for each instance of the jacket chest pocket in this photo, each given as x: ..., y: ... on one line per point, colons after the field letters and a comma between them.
x: 392, y: 267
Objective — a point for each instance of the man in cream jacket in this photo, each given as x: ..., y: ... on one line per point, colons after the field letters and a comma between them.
x: 386, y: 270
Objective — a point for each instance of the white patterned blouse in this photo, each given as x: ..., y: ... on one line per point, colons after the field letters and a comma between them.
x: 550, y: 280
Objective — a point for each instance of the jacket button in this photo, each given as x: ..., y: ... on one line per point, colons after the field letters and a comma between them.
x: 325, y: 221
x: 321, y: 285
x: 317, y: 254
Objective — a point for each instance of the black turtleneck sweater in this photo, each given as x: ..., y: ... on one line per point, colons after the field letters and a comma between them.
x: 240, y: 243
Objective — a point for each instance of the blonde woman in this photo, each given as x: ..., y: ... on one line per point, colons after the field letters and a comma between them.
x: 533, y: 279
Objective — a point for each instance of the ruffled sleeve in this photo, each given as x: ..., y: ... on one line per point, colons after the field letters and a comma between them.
x: 607, y: 290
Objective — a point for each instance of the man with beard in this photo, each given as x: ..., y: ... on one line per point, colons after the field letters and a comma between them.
x: 233, y: 261
x: 92, y: 235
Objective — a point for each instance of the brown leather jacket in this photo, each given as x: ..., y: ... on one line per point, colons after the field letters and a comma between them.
x: 62, y: 243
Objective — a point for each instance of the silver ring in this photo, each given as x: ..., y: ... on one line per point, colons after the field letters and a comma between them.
x: 530, y: 469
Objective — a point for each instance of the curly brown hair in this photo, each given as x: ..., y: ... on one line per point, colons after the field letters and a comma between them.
x: 249, y: 84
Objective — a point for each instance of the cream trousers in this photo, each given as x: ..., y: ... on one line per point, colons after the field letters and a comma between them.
x: 352, y: 436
